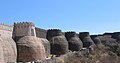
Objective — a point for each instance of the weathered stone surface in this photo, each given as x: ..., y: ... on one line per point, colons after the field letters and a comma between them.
x: 58, y: 42
x: 75, y: 44
x: 30, y: 48
x: 53, y: 32
x: 111, y: 43
x: 46, y: 44
x: 1, y: 53
x: 86, y: 39
x: 22, y: 29
x: 59, y: 45
x: 9, y: 49
x: 104, y: 38
x: 115, y: 35
x: 41, y: 33
x: 108, y: 41
x: 6, y: 30
x: 96, y: 39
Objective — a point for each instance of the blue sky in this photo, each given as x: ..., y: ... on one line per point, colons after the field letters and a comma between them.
x: 95, y: 16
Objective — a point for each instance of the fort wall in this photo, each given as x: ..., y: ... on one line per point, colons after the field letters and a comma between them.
x: 24, y: 29
x: 41, y: 33
x: 6, y: 30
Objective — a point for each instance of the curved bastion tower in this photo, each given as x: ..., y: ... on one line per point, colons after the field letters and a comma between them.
x: 29, y: 47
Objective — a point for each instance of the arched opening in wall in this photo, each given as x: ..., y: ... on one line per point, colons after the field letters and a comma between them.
x: 32, y: 32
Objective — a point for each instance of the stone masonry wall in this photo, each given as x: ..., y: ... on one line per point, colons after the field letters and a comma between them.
x: 24, y: 29
x: 6, y: 30
x: 41, y: 33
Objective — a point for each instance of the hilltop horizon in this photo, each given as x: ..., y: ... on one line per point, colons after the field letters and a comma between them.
x: 65, y: 30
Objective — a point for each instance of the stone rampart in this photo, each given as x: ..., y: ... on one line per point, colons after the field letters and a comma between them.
x: 6, y: 30
x: 22, y: 29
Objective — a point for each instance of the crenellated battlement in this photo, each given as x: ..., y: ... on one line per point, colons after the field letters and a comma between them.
x: 84, y: 34
x: 53, y: 32
x: 24, y: 29
x: 70, y: 34
x: 23, y: 24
